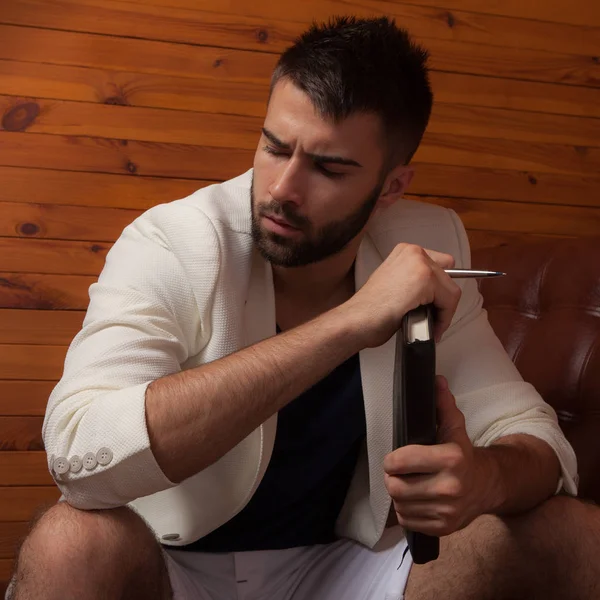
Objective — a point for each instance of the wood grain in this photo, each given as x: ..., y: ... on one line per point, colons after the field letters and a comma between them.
x: 103, y: 155
x: 481, y: 238
x: 52, y: 256
x: 100, y: 155
x: 32, y: 44
x: 582, y: 13
x: 273, y: 30
x: 56, y: 221
x: 21, y: 503
x: 43, y: 327
x: 11, y: 535
x: 25, y: 397
x: 20, y: 433
x: 105, y: 225
x: 44, y: 291
x: 28, y: 361
x: 88, y: 84
x: 495, y: 184
x: 61, y: 117
x: 24, y: 468
x: 522, y: 217
x: 508, y: 155
x: 131, y: 123
x: 45, y: 186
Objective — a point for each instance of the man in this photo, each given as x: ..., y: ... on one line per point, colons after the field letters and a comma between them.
x: 232, y: 380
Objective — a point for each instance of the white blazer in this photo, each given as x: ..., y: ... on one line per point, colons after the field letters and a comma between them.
x: 184, y: 286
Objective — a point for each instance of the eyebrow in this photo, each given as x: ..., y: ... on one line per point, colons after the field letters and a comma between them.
x: 318, y: 158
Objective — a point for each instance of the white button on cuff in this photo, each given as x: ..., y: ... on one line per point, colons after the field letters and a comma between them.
x: 170, y: 537
x: 75, y: 464
x: 60, y: 465
x: 104, y: 456
x: 89, y: 461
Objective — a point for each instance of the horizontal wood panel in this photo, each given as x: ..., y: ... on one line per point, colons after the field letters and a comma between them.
x: 11, y: 535
x: 113, y: 156
x: 583, y: 12
x: 30, y: 44
x: 24, y: 398
x: 45, y: 186
x: 87, y: 84
x: 52, y: 256
x: 24, y: 468
x: 523, y: 217
x: 56, y: 221
x: 274, y: 29
x: 130, y: 123
x: 507, y: 155
x: 22, y: 503
x: 100, y: 155
x: 61, y: 117
x: 44, y: 291
x: 578, y: 12
x: 495, y: 184
x: 20, y: 433
x: 479, y: 239
x: 29, y: 361
x: 20, y: 184
x: 45, y: 327
x: 106, y: 224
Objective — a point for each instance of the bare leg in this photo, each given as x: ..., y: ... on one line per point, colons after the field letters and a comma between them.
x: 549, y: 553
x: 97, y: 555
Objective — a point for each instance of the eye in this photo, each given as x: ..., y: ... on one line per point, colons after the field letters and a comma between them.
x: 328, y: 173
x: 272, y: 151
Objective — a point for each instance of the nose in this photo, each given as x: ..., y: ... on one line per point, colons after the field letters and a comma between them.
x: 288, y: 185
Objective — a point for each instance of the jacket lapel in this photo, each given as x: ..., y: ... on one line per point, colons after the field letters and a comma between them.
x: 377, y: 368
x: 259, y: 324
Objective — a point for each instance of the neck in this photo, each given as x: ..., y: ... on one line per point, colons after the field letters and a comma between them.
x: 318, y: 282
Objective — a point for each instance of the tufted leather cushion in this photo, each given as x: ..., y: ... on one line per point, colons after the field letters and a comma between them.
x: 546, y: 312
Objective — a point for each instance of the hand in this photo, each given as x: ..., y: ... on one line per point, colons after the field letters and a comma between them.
x: 438, y: 489
x: 409, y: 277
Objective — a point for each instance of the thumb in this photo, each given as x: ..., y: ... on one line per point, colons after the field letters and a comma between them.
x: 451, y: 422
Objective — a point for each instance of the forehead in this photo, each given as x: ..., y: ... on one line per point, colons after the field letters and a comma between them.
x: 292, y: 117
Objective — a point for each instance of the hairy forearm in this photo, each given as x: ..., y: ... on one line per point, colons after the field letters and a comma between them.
x: 194, y: 417
x: 518, y: 472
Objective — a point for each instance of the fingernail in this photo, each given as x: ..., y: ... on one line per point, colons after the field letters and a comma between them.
x: 442, y: 382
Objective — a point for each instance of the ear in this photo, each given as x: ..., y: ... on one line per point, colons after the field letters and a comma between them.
x: 395, y: 185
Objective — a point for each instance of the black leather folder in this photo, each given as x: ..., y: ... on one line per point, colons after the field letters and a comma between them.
x: 414, y: 403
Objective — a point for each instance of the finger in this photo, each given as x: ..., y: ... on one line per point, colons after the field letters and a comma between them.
x: 420, y: 510
x: 414, y: 459
x: 445, y: 261
x: 412, y: 488
x: 429, y: 526
x: 446, y: 297
x: 451, y: 421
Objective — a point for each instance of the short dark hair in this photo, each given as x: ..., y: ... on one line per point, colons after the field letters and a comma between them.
x: 351, y: 65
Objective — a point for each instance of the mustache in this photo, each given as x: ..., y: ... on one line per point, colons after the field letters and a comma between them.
x: 286, y: 211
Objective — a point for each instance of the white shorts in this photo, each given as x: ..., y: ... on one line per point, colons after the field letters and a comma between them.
x: 342, y: 570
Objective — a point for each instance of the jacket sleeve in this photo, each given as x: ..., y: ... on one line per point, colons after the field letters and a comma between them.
x: 488, y: 388
x: 143, y: 321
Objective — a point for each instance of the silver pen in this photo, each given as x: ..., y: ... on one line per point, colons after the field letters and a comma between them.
x: 458, y: 273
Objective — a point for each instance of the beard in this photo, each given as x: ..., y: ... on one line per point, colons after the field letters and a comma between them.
x: 317, y: 243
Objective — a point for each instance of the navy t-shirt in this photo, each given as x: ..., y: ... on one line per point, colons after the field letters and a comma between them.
x: 318, y: 440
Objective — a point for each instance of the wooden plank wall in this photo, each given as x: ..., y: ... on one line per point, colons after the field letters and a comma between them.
x: 108, y: 107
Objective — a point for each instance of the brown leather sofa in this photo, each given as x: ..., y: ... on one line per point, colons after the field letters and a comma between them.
x: 546, y: 312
